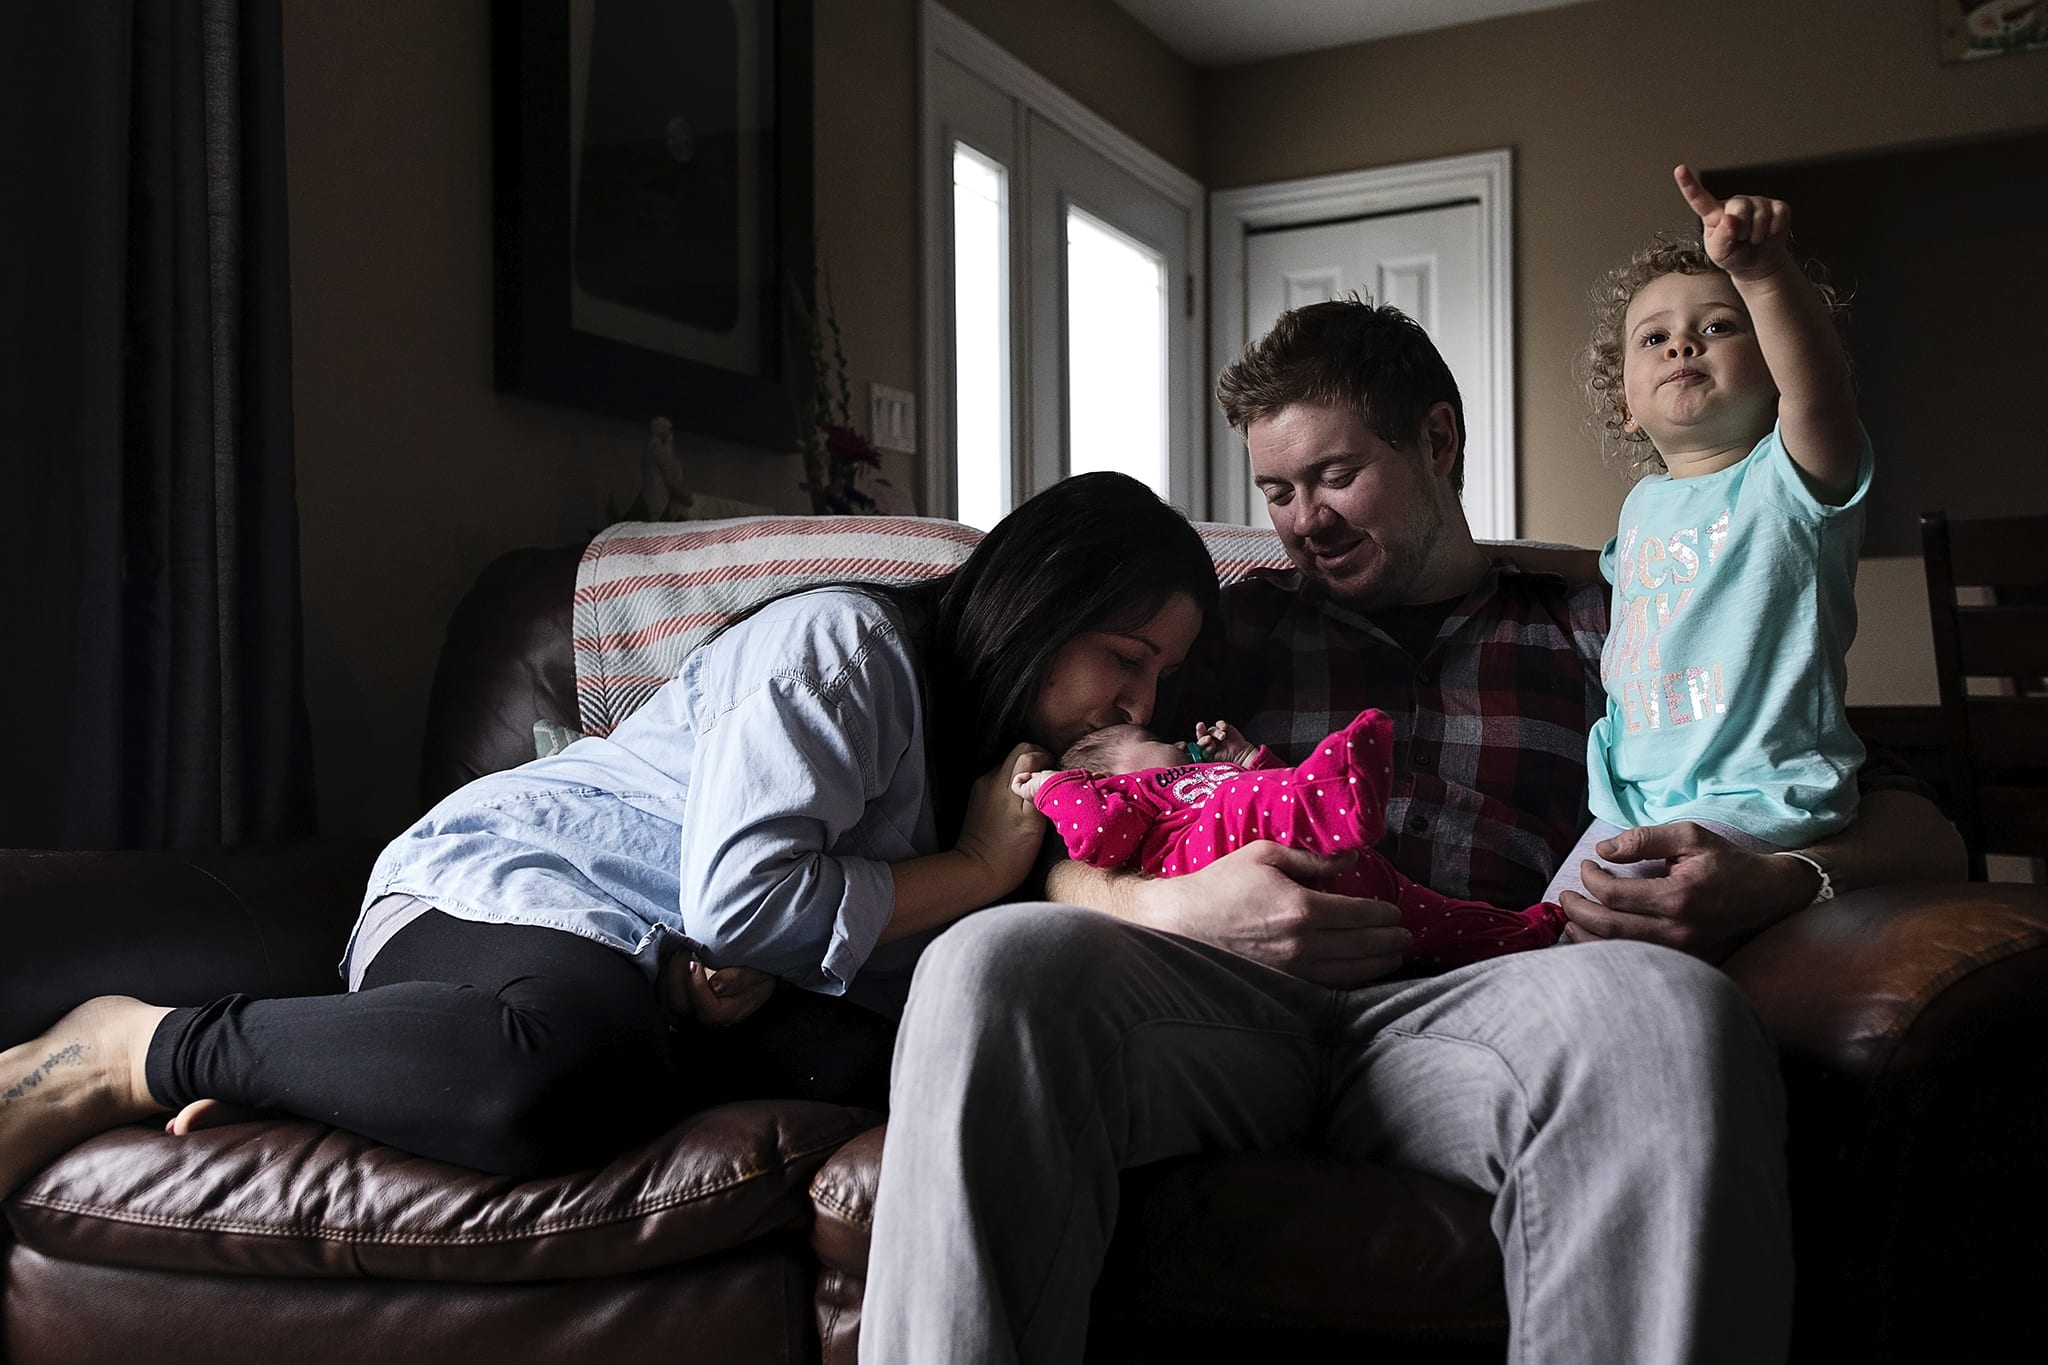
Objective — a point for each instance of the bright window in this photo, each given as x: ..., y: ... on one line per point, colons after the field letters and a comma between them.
x: 981, y: 329
x: 1116, y: 353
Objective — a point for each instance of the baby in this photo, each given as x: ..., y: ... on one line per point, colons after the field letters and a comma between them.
x: 1126, y: 797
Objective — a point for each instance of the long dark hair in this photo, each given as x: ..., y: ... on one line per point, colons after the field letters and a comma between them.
x: 1094, y: 552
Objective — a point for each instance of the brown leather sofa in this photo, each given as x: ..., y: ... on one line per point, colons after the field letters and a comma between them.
x: 1913, y: 1025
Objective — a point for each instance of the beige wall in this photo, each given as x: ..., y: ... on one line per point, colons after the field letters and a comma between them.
x: 413, y: 473
x: 1596, y: 127
x: 867, y: 145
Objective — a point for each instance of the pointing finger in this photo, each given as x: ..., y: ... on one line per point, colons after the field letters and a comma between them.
x: 1696, y: 197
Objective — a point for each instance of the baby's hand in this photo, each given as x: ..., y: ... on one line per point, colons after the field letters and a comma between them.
x: 1222, y: 742
x: 1026, y: 785
x: 1746, y: 236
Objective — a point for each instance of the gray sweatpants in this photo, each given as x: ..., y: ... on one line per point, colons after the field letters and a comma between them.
x: 1620, y: 1102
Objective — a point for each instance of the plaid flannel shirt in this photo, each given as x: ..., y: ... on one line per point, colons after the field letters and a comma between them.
x: 1489, y: 724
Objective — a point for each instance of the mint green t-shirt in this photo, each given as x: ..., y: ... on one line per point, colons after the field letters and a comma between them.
x: 1734, y: 605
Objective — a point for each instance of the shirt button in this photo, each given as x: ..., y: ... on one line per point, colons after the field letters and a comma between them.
x: 1421, y: 758
x: 1418, y: 824
x: 1425, y: 676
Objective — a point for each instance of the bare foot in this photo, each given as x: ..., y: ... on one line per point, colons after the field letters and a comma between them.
x: 82, y: 1077
x: 212, y: 1114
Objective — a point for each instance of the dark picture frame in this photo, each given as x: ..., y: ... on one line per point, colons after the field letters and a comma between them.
x: 651, y: 195
x: 1975, y: 29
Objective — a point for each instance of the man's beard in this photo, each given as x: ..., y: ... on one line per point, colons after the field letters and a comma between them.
x: 1401, y: 565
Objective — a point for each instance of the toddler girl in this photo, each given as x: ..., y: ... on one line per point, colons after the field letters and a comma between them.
x: 1734, y: 566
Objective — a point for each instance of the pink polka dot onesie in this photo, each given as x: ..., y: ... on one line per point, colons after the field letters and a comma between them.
x: 1171, y: 821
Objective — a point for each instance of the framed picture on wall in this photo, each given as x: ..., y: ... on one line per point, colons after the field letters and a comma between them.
x: 651, y: 193
x: 1991, y: 28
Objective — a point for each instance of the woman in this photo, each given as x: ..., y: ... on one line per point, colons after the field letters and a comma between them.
x: 823, y: 788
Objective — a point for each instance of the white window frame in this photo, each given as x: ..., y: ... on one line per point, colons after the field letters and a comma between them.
x: 942, y: 33
x: 1487, y: 177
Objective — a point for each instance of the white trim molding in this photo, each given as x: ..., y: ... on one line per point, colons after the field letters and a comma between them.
x: 1487, y: 177
x: 943, y: 33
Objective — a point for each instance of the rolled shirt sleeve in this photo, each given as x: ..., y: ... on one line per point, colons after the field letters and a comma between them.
x: 808, y: 782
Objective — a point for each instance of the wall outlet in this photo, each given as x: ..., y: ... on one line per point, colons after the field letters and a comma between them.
x: 892, y: 419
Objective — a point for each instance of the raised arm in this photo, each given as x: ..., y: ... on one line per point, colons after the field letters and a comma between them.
x: 1747, y: 236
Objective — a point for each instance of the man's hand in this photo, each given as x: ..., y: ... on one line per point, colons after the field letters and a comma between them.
x: 1747, y: 236
x: 1714, y: 896
x: 1251, y: 902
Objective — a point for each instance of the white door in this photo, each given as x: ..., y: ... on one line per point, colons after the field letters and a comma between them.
x: 1111, y: 308
x: 1062, y: 326
x: 1423, y: 261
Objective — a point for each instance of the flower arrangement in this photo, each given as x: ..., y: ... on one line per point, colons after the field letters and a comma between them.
x: 837, y: 458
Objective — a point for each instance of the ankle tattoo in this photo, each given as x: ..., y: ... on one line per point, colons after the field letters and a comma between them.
x: 73, y: 1053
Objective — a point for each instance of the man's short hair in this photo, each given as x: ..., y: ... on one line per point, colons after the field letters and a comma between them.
x: 1346, y: 353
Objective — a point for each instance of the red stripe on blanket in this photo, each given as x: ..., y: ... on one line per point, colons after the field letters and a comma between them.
x: 786, y: 526
x: 660, y: 629
x: 622, y: 681
x: 843, y: 567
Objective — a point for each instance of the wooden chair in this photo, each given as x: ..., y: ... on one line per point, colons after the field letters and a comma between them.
x: 1996, y: 735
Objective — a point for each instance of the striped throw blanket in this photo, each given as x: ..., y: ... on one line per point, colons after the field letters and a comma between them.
x: 647, y: 593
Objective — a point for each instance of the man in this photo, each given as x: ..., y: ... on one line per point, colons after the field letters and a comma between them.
x: 1618, y: 1099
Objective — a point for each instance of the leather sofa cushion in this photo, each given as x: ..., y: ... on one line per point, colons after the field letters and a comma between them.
x: 292, y: 1198
x: 1306, y: 1241
x: 508, y: 661
x: 748, y: 1305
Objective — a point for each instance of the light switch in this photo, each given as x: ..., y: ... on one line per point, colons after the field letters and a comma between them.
x: 892, y: 419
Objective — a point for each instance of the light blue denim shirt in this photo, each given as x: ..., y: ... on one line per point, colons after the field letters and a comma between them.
x: 748, y: 813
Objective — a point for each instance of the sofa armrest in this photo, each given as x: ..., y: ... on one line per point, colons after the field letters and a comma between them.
x: 842, y: 1216
x: 1882, y: 981
x: 172, y: 928
x: 1912, y: 1022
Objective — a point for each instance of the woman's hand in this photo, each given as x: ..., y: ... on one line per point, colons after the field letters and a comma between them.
x: 1003, y: 830
x: 719, y: 998
x: 999, y: 842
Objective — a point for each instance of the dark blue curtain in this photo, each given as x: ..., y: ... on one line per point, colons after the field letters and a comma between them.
x: 149, y: 538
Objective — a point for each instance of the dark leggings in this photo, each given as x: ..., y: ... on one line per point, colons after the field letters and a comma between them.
x: 509, y: 1048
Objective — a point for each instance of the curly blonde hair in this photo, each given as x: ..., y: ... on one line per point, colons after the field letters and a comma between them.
x: 1600, y: 363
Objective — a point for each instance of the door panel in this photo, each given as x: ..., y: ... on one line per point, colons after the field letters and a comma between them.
x: 1064, y: 176
x: 1424, y: 262
x: 984, y: 405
